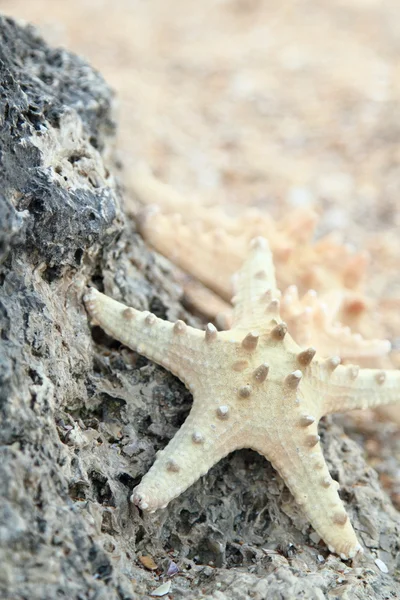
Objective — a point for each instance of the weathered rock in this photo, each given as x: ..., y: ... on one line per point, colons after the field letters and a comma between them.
x: 82, y: 418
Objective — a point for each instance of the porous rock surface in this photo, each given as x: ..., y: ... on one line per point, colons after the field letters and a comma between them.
x: 82, y: 417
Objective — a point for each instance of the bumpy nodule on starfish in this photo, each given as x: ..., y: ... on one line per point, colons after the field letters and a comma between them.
x: 253, y: 387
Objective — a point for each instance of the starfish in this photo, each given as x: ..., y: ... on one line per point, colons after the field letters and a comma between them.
x: 313, y: 321
x: 253, y: 387
x: 170, y: 222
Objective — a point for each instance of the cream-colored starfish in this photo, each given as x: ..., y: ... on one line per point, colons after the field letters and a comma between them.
x: 170, y: 222
x: 313, y: 320
x: 253, y: 387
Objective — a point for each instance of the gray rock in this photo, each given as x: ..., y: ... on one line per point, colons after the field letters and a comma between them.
x: 82, y: 417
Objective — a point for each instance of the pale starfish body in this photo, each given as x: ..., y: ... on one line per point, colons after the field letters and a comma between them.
x: 313, y: 320
x: 253, y: 387
x: 170, y: 223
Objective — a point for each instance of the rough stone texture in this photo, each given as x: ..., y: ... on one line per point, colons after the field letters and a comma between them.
x: 82, y: 417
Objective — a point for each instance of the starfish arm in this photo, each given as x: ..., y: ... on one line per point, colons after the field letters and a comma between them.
x: 209, y: 255
x: 255, y: 288
x: 201, y: 300
x: 150, y: 191
x: 349, y: 388
x: 163, y: 197
x: 175, y: 346
x: 300, y: 463
x: 348, y: 345
x: 312, y: 320
x: 202, y: 441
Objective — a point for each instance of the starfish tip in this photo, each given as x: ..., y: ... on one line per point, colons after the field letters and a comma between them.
x: 211, y: 332
x: 250, y: 341
x: 259, y: 243
x: 279, y: 331
x: 139, y: 500
x: 179, y: 327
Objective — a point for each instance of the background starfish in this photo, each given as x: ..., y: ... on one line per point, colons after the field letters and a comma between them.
x: 254, y: 387
x: 171, y: 223
x: 315, y: 320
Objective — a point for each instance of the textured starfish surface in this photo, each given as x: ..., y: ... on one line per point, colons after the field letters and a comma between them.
x: 313, y: 320
x: 172, y: 222
x: 253, y: 387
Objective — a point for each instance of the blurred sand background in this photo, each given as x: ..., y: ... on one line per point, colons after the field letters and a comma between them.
x: 254, y: 102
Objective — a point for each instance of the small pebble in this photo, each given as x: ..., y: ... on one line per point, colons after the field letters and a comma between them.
x: 314, y: 537
x: 148, y: 562
x: 172, y: 569
x: 381, y: 565
x: 162, y: 590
